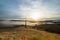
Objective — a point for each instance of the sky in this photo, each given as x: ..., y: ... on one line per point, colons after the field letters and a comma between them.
x: 23, y: 8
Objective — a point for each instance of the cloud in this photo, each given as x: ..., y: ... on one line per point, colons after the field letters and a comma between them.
x: 46, y: 7
x: 22, y: 8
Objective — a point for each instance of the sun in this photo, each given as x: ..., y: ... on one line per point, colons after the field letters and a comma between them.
x: 35, y: 16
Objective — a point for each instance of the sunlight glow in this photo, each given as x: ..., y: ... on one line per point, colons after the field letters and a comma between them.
x: 36, y: 16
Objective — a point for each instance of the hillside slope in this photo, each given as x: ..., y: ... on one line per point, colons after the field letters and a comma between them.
x: 54, y: 28
x: 22, y: 33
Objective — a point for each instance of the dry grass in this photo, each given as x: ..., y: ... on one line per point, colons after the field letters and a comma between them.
x: 27, y: 34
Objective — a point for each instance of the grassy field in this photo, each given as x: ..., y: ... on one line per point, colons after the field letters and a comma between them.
x: 22, y: 33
